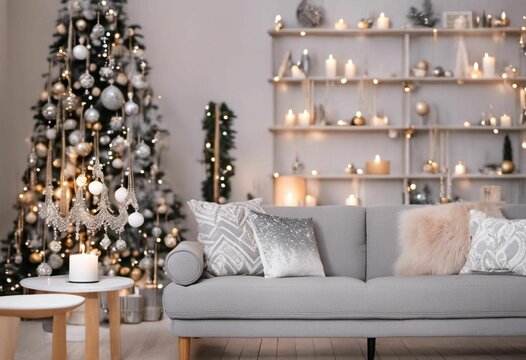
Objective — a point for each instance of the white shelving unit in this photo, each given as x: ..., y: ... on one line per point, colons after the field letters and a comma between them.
x: 404, y: 170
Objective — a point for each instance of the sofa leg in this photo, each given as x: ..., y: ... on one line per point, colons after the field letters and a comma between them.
x: 371, y: 348
x: 184, y: 348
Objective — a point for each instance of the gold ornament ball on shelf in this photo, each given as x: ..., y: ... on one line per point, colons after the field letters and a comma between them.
x: 422, y: 65
x: 431, y: 167
x: 508, y: 167
x: 358, y: 119
x: 422, y: 108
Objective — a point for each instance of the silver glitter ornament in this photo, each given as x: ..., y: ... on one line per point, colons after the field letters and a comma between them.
x: 105, y: 242
x: 55, y: 261
x: 98, y: 31
x: 156, y: 231
x: 44, y: 269
x: 112, y: 98
x: 120, y: 245
x: 116, y: 122
x: 131, y: 108
x: 49, y: 111
x: 106, y: 73
x: 74, y: 137
x: 91, y: 115
x: 86, y: 80
x: 146, y: 263
x: 104, y: 140
x: 118, y: 144
x: 54, y: 246
x: 51, y: 134
x: 308, y: 14
x: 143, y: 151
x: 170, y: 241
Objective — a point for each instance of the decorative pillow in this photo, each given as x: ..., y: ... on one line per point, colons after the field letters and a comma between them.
x: 287, y: 246
x: 497, y: 245
x: 434, y: 240
x: 227, y: 237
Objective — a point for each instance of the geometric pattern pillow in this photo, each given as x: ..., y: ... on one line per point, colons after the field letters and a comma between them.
x: 227, y: 237
x: 497, y: 245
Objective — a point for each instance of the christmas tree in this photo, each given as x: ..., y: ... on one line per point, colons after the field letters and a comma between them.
x: 95, y: 158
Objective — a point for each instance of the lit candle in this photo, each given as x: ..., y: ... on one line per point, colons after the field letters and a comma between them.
x: 475, y: 72
x: 278, y: 22
x: 304, y: 118
x: 505, y: 120
x: 493, y: 121
x: 488, y: 66
x: 341, y: 25
x: 296, y: 72
x: 382, y: 22
x: 460, y: 168
x: 352, y: 200
x: 378, y: 166
x: 350, y: 69
x: 290, y: 118
x: 330, y: 67
x: 290, y: 199
x: 310, y: 200
x: 83, y: 268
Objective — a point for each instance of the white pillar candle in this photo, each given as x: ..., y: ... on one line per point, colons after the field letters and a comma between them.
x: 475, y: 72
x: 382, y: 22
x: 488, y: 66
x: 505, y: 120
x: 330, y: 67
x: 460, y: 168
x: 310, y: 200
x: 350, y: 69
x: 341, y: 25
x: 352, y: 200
x: 493, y: 121
x: 304, y: 118
x: 296, y: 72
x: 290, y: 118
x: 83, y: 268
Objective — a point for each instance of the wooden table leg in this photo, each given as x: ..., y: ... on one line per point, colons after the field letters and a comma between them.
x: 59, y: 337
x: 91, y: 350
x: 8, y: 334
x: 115, y: 324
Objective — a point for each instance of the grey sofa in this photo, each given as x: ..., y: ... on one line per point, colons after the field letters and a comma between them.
x: 360, y: 297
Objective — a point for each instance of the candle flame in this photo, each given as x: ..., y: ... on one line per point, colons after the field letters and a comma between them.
x: 486, y: 55
x: 277, y: 18
x: 330, y: 56
x: 377, y: 158
x: 305, y: 51
x: 358, y: 114
x: 382, y: 15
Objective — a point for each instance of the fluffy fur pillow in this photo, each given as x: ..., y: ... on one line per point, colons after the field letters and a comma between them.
x: 434, y: 240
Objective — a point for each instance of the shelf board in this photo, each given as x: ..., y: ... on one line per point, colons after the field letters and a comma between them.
x: 393, y: 32
x: 420, y: 176
x: 350, y: 128
x: 396, y: 80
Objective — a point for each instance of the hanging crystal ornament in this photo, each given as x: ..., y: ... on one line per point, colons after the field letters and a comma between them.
x: 105, y: 242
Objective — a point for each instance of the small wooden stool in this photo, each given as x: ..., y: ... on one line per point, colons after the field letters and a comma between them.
x: 12, y: 308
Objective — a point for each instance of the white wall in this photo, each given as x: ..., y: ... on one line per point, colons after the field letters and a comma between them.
x: 200, y: 51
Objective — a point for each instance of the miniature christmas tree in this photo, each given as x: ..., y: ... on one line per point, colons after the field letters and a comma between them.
x: 95, y: 155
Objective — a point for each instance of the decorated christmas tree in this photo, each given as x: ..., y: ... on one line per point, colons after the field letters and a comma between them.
x: 94, y: 178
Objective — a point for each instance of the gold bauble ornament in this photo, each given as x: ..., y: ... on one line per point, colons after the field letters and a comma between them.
x: 124, y: 271
x: 175, y: 232
x: 92, y: 67
x: 81, y: 24
x: 422, y: 65
x: 95, y: 91
x: 136, y: 274
x: 121, y: 79
x: 35, y: 258
x: 58, y: 89
x: 69, y: 242
x: 97, y: 126
x: 44, y: 95
x: 431, y: 167
x: 70, y: 102
x: 135, y: 253
x: 422, y: 108
x: 507, y: 167
x: 358, y: 119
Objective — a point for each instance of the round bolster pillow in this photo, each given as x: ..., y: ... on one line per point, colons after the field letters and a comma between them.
x: 185, y: 263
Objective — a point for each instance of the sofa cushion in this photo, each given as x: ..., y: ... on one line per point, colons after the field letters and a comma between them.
x: 340, y: 234
x: 447, y: 297
x: 252, y: 297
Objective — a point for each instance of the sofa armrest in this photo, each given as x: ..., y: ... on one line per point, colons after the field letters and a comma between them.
x: 185, y: 264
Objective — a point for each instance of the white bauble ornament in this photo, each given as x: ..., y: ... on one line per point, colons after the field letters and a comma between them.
x: 135, y: 219
x: 112, y: 98
x: 422, y: 108
x: 95, y: 187
x: 51, y: 133
x: 81, y: 180
x: 55, y: 246
x: 163, y: 209
x: 121, y: 194
x: 31, y: 217
x: 97, y: 31
x: 86, y: 80
x: 80, y: 52
x: 41, y: 150
x: 105, y: 242
x: 81, y: 24
x: 55, y: 261
x: 49, y: 111
x: 104, y: 140
x: 91, y: 115
x: 117, y: 163
x: 70, y: 124
x: 170, y: 241
x: 74, y: 137
x: 120, y: 245
x: 139, y: 82
x: 131, y: 108
x: 44, y: 269
x: 143, y: 151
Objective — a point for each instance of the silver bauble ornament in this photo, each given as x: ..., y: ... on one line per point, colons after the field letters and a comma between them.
x: 106, y: 73
x: 91, y: 115
x: 118, y: 144
x: 148, y: 214
x: 41, y: 150
x: 86, y: 80
x: 18, y: 259
x: 146, y: 263
x: 70, y: 102
x: 80, y: 52
x: 170, y: 241
x: 58, y: 89
x: 120, y: 245
x: 74, y: 137
x: 32, y: 159
x: 70, y: 124
x: 131, y: 108
x: 51, y: 133
x: 44, y: 269
x: 438, y: 71
x: 143, y: 151
x: 117, y: 163
x: 83, y: 148
x: 157, y: 231
x: 116, y: 122
x: 105, y: 242
x: 422, y: 108
x: 55, y: 246
x: 97, y: 31
x: 55, y: 261
x: 135, y: 219
x: 138, y: 81
x: 81, y: 24
x: 49, y: 111
x: 112, y: 98
x: 104, y: 140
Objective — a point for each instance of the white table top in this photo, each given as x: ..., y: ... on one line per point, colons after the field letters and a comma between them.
x: 39, y: 302
x: 61, y: 284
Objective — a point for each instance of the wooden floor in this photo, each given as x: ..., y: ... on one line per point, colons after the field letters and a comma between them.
x: 154, y: 341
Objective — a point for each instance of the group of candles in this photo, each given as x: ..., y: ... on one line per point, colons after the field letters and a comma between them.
x: 488, y: 68
x: 382, y: 23
x: 310, y: 200
x: 302, y: 119
x: 331, y: 65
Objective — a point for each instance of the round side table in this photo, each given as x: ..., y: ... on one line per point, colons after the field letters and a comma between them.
x: 14, y: 307
x: 90, y: 291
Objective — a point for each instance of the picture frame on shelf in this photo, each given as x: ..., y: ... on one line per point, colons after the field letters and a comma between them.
x: 457, y: 20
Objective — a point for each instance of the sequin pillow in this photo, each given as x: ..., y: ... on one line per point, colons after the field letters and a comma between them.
x: 227, y: 237
x: 497, y: 245
x: 287, y: 246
